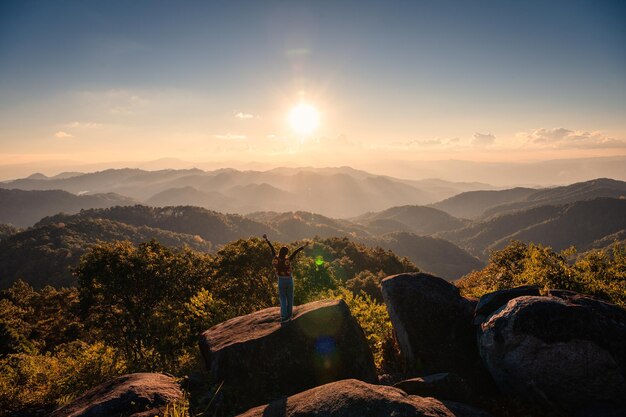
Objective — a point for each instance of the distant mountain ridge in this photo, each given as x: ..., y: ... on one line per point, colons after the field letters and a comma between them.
x: 335, y: 192
x: 475, y: 204
x: 23, y: 208
x: 582, y: 224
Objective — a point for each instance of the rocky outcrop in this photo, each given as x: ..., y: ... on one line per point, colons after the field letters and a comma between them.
x: 352, y: 398
x: 133, y: 395
x: 433, y: 324
x: 443, y: 386
x: 566, y: 352
x: 259, y: 359
x: 492, y: 301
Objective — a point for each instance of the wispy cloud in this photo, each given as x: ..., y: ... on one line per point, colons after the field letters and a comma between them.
x: 84, y: 125
x: 245, y: 116
x: 562, y: 138
x: 425, y: 143
x: 230, y: 136
x: 62, y: 135
x: 483, y: 139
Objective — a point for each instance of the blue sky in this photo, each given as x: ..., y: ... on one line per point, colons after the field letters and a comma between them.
x: 482, y: 80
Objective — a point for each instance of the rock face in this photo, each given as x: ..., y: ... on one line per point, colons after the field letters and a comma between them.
x: 443, y: 386
x: 489, y: 303
x: 259, y: 360
x: 566, y: 351
x: 136, y: 395
x: 433, y: 324
x: 352, y: 398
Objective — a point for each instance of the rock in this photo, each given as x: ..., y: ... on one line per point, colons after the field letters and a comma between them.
x: 258, y: 359
x: 565, y: 353
x: 443, y: 386
x: 433, y: 324
x: 353, y: 398
x: 136, y: 395
x: 489, y: 303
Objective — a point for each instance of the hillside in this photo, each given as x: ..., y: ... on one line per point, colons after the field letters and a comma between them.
x: 434, y: 255
x: 23, y: 208
x: 601, y: 187
x: 580, y: 224
x: 212, y: 226
x: 304, y: 225
x: 42, y: 255
x: 416, y: 219
x: 473, y: 204
x: 491, y: 203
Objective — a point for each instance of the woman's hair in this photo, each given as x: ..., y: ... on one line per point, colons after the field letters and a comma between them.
x: 282, y: 252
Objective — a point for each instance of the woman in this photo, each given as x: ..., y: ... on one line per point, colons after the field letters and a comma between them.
x: 282, y: 266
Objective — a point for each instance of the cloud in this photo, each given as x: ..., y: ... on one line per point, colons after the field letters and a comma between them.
x: 84, y: 125
x: 562, y: 138
x: 425, y: 143
x: 231, y: 136
x: 483, y: 139
x: 245, y: 116
x: 62, y: 135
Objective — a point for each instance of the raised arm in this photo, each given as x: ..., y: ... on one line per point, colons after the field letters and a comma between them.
x: 270, y: 244
x: 293, y: 255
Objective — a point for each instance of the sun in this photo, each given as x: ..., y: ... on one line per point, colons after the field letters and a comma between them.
x: 304, y: 119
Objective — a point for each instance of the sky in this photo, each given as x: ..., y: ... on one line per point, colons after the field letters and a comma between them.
x: 214, y: 81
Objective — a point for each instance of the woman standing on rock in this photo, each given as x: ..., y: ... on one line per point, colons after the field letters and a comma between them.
x: 282, y: 266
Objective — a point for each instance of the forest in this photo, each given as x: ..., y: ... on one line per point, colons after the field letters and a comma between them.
x: 140, y: 307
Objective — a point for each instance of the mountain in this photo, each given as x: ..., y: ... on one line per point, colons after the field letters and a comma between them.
x: 189, y: 196
x: 580, y: 224
x: 430, y: 254
x: 305, y: 225
x: 43, y: 255
x: 23, y: 208
x: 416, y: 219
x: 490, y: 203
x: 211, y: 226
x: 335, y: 192
x: 473, y: 204
x: 601, y: 187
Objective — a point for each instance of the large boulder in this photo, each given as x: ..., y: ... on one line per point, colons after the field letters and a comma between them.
x: 136, y: 395
x: 259, y: 359
x: 433, y: 324
x: 352, y: 398
x: 492, y: 301
x: 566, y: 353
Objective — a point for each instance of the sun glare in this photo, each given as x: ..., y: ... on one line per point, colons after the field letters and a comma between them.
x: 304, y: 119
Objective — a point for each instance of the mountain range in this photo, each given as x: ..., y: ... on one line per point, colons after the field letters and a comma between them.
x: 449, y: 238
x: 336, y: 192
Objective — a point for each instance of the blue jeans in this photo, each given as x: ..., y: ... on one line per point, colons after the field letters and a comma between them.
x: 285, y: 295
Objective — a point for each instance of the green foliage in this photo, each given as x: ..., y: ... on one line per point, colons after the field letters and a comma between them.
x: 242, y: 276
x: 348, y: 258
x: 37, y: 320
x: 140, y: 307
x: 597, y: 273
x: 48, y: 379
x: 45, y: 254
x: 367, y: 282
x: 132, y: 298
x: 312, y: 279
x: 373, y: 318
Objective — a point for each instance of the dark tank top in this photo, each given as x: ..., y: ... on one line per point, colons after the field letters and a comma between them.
x: 282, y: 266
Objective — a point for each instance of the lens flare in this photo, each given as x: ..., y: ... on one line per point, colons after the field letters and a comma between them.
x: 319, y: 261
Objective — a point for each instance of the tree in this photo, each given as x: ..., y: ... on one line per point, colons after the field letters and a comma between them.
x: 133, y: 298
